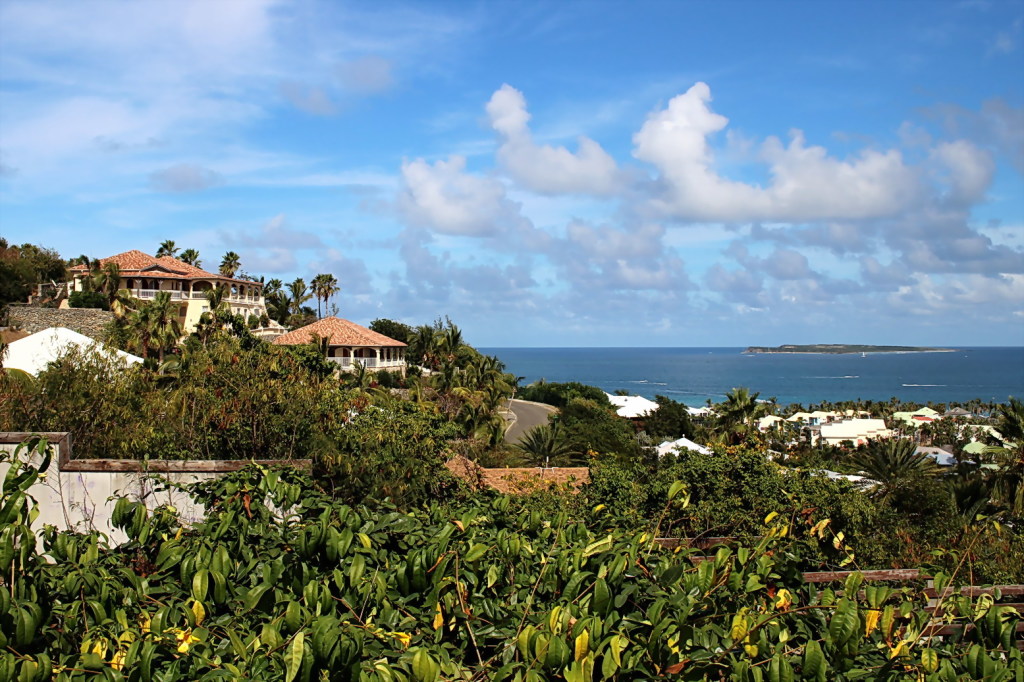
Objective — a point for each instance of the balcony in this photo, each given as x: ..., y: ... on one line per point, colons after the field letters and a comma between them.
x: 369, y: 363
x: 149, y: 294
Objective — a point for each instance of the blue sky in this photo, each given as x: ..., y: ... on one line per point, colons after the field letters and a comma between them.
x: 546, y: 174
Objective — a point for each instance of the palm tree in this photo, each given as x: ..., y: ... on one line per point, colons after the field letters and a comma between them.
x: 190, y: 256
x: 107, y: 280
x: 230, y: 263
x: 164, y: 327
x: 273, y: 286
x: 423, y: 346
x: 894, y: 462
x: 167, y: 248
x: 324, y: 286
x: 1008, y: 480
x: 546, y: 444
x: 300, y: 294
x: 279, y: 306
x: 141, y: 331
x: 738, y: 413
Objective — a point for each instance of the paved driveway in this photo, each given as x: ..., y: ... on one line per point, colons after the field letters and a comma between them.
x: 527, y: 416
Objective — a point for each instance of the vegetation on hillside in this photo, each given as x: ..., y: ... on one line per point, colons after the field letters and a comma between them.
x: 282, y: 582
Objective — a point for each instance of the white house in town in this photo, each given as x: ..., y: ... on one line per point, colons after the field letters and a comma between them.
x: 349, y: 343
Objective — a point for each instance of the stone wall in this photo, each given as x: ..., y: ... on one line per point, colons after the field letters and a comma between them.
x: 88, y: 321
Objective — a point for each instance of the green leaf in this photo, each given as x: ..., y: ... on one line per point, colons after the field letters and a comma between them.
x: 200, y: 584
x: 814, y: 662
x: 293, y: 657
x: 476, y: 551
x: 598, y: 547
x: 424, y: 668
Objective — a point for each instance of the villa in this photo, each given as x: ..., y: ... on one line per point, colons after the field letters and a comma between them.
x: 144, y: 276
x: 855, y: 431
x: 349, y: 343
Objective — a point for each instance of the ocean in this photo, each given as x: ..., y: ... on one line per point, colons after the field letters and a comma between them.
x: 695, y: 375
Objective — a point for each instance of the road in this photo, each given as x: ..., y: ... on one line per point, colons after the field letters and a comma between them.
x: 527, y: 416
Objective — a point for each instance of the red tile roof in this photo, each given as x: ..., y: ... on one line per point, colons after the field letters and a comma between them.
x: 134, y: 263
x: 339, y: 332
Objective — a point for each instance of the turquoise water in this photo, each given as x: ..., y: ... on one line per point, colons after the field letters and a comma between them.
x: 694, y: 375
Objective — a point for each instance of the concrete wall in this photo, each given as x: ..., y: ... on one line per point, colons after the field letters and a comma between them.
x: 88, y: 321
x: 76, y: 495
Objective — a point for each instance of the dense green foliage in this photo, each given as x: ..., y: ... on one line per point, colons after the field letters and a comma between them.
x: 88, y: 299
x: 280, y: 582
x: 559, y: 394
x: 22, y: 267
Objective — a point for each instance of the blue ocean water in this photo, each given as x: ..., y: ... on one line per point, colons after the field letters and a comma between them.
x: 694, y: 375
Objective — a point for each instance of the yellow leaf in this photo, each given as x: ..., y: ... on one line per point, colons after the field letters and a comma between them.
x: 403, y: 637
x: 895, y: 651
x: 582, y: 645
x: 783, y: 599
x: 739, y: 626
x: 438, y: 618
x: 751, y: 650
x: 871, y: 621
x: 198, y: 611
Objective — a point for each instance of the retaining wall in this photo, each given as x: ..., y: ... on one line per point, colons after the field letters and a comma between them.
x: 80, y: 494
x: 88, y: 321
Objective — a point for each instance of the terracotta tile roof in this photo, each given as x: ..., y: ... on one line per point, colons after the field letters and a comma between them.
x: 340, y: 332
x: 517, y: 480
x: 135, y: 261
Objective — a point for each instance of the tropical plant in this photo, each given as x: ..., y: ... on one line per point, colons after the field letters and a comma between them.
x: 546, y: 445
x: 230, y: 263
x: 324, y: 286
x: 167, y: 248
x: 893, y: 463
x: 162, y: 318
x: 280, y: 582
x: 299, y: 295
x: 1008, y: 479
x: 190, y: 256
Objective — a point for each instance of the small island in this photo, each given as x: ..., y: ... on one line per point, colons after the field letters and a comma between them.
x: 841, y: 348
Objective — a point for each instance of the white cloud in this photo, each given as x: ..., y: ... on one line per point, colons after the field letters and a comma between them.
x: 544, y: 168
x: 444, y: 197
x: 966, y: 170
x: 806, y: 183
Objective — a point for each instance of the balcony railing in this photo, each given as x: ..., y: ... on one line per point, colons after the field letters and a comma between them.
x: 368, y: 363
x: 146, y: 294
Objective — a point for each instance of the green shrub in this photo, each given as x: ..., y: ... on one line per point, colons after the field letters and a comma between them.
x: 88, y: 299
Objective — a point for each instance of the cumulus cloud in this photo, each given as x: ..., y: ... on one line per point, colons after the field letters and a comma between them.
x: 445, y: 198
x: 967, y: 171
x: 545, y: 168
x: 806, y: 183
x: 184, y: 177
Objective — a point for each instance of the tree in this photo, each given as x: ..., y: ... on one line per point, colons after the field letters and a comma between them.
x: 739, y: 412
x: 167, y: 248
x: 671, y: 420
x: 399, y: 331
x: 164, y: 327
x: 894, y: 463
x: 299, y: 295
x: 191, y: 256
x: 324, y: 286
x: 230, y: 263
x: 546, y: 444
x: 1008, y: 479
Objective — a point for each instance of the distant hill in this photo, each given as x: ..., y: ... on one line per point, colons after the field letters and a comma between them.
x: 840, y: 348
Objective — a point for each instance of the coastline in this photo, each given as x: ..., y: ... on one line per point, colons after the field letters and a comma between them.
x: 849, y: 352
